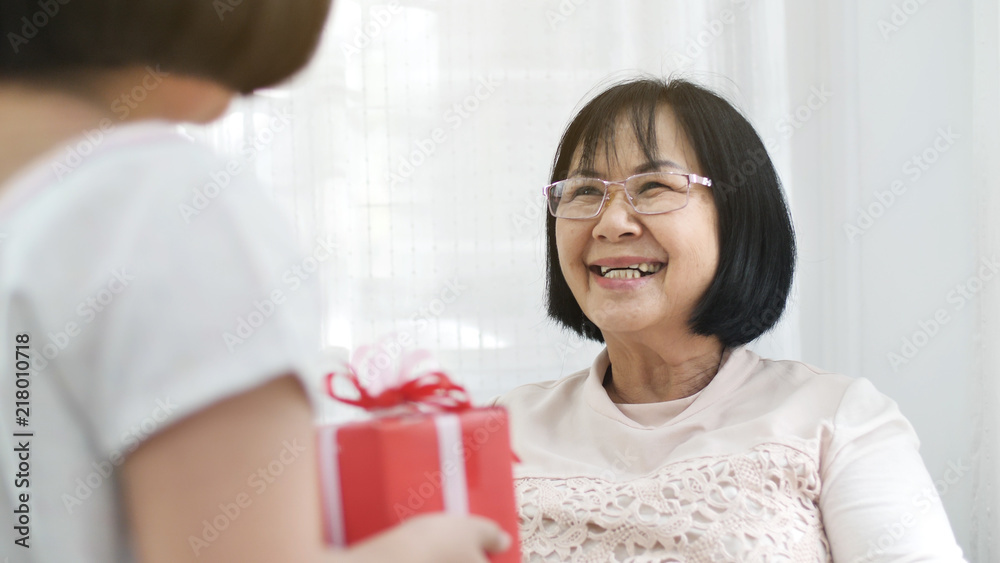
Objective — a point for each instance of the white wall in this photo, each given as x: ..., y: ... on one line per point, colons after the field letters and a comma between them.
x: 900, y: 94
x: 986, y: 109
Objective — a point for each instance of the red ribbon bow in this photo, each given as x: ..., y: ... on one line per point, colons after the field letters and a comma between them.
x: 430, y: 390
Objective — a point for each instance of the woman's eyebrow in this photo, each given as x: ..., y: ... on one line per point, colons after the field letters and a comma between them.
x: 650, y: 166
x: 655, y: 165
x: 585, y: 173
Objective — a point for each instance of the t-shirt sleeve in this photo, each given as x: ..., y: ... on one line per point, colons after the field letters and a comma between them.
x: 878, y: 500
x: 194, y: 292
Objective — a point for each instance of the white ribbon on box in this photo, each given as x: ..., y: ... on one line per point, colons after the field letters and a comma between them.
x: 329, y: 475
x: 451, y: 454
x: 454, y: 489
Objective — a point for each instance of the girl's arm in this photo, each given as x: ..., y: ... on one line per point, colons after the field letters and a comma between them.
x: 237, y: 482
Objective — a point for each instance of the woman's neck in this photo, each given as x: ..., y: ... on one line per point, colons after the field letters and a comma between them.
x: 641, y: 374
x: 40, y: 116
x: 37, y: 120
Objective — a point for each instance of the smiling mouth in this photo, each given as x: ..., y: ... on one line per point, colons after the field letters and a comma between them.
x: 634, y: 271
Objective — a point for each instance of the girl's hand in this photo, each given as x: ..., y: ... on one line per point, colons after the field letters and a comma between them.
x: 435, y: 538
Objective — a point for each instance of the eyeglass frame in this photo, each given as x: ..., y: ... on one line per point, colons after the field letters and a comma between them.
x: 691, y: 178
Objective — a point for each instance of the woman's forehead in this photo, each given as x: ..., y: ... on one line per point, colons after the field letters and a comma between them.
x: 631, y: 145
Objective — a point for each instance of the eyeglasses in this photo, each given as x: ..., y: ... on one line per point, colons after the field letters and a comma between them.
x: 648, y: 194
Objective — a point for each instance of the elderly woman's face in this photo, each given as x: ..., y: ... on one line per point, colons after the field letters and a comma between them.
x: 680, y: 248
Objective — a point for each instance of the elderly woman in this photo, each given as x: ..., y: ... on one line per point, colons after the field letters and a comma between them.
x: 670, y: 241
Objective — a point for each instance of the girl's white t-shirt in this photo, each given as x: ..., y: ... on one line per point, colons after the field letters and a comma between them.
x: 772, y: 461
x: 142, y: 279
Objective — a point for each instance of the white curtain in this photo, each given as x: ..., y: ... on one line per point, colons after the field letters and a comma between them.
x: 986, y: 504
x: 420, y: 138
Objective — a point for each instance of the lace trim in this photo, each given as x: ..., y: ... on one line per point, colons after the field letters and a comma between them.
x: 756, y: 506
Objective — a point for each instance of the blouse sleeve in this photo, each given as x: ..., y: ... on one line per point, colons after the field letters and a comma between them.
x: 878, y: 500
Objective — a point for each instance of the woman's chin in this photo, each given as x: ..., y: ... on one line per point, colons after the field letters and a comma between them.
x: 621, y: 324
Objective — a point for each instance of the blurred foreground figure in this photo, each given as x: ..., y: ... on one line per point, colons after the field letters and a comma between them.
x: 152, y: 356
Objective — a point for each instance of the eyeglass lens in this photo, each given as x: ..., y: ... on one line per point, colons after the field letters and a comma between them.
x: 658, y: 192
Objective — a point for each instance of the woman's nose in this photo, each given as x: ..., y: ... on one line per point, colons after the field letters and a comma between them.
x: 618, y: 218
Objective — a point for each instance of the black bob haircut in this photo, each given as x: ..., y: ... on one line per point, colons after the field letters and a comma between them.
x: 242, y: 44
x: 756, y: 239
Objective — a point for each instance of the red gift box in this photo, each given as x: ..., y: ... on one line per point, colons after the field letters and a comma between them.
x: 379, y: 472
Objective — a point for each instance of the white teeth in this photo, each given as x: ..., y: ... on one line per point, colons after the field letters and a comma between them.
x: 623, y: 274
x: 630, y: 272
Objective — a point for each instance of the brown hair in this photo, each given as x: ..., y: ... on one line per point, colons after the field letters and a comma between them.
x: 243, y: 44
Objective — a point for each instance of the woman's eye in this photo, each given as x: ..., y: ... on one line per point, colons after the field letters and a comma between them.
x: 652, y: 188
x: 585, y: 191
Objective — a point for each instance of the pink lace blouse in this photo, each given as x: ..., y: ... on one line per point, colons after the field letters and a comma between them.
x: 772, y: 461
